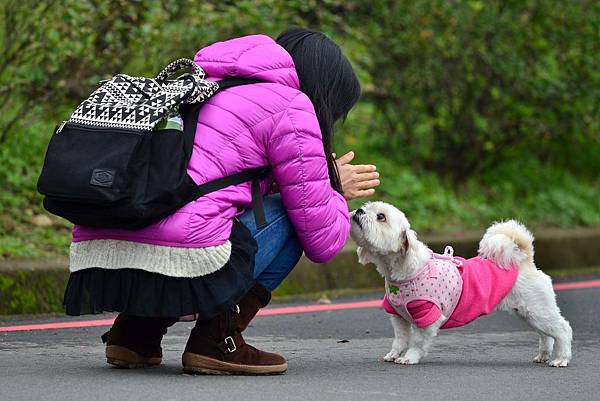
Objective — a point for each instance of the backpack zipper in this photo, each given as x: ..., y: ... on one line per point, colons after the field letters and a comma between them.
x: 93, y: 128
x: 61, y: 126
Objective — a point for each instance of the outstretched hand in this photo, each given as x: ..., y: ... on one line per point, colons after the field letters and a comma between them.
x: 358, y: 181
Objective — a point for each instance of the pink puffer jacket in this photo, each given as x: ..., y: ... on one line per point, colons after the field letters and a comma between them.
x: 262, y: 124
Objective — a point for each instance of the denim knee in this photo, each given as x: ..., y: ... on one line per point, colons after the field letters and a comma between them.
x: 278, y: 246
x: 282, y: 264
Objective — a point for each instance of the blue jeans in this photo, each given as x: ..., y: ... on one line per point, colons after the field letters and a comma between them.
x: 278, y: 247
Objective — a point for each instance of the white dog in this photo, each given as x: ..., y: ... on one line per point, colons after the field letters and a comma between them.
x: 426, y: 291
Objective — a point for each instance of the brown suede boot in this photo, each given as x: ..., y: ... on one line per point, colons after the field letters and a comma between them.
x: 134, y: 342
x: 216, y: 346
x: 258, y: 297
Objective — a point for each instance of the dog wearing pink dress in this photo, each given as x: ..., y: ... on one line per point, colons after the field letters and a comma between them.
x: 426, y: 291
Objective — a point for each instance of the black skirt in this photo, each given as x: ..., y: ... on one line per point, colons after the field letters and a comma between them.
x: 141, y: 293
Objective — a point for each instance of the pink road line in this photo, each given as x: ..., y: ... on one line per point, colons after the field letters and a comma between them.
x: 58, y: 325
x: 576, y: 285
x: 289, y: 310
x: 286, y: 310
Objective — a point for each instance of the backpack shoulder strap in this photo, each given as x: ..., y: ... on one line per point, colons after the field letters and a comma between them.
x: 231, y: 82
x: 253, y: 175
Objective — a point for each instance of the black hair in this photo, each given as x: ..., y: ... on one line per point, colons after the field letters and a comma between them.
x: 327, y: 78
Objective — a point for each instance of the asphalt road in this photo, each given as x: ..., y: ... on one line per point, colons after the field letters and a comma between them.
x: 332, y: 356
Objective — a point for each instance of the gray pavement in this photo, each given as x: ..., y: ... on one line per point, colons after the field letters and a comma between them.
x: 332, y: 356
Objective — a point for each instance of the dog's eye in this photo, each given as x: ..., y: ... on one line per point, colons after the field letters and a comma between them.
x: 380, y: 217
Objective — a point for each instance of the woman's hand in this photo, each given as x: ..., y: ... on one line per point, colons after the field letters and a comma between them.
x: 358, y: 181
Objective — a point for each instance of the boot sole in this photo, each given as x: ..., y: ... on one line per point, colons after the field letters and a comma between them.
x: 127, y: 359
x: 199, y: 364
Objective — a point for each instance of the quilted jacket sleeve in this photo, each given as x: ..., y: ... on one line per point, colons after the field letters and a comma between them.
x: 318, y: 213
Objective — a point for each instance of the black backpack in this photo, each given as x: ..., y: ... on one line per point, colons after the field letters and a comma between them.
x: 121, y: 160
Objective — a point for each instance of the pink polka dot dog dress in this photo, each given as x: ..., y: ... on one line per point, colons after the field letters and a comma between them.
x: 461, y: 289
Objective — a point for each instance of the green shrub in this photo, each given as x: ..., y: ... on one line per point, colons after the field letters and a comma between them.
x: 536, y: 192
x: 459, y: 85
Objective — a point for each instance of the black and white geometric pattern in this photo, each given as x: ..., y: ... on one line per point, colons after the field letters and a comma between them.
x: 140, y: 103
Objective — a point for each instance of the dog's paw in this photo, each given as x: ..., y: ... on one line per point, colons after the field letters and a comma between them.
x: 559, y: 362
x: 403, y: 360
x: 391, y: 356
x: 542, y: 357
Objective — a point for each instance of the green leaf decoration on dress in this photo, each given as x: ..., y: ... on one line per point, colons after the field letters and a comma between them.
x: 394, y: 290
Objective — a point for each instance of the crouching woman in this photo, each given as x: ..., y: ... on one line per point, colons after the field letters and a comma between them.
x: 208, y: 261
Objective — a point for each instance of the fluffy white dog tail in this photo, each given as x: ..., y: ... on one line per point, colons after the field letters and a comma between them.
x: 508, y: 243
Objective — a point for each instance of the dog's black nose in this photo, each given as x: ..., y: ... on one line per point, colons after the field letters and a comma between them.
x: 360, y: 211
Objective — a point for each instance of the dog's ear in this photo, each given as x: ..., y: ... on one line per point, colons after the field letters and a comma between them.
x: 407, y: 238
x: 364, y: 256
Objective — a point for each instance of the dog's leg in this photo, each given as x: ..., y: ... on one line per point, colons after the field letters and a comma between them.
x: 546, y: 343
x: 401, y: 336
x: 555, y: 327
x: 533, y: 299
x: 419, y: 343
x: 545, y: 349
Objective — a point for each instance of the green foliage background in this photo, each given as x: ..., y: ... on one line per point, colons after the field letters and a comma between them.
x: 472, y: 111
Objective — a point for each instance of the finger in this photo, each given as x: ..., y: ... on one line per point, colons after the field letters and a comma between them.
x: 367, y: 176
x: 367, y: 184
x: 364, y: 168
x: 364, y: 193
x: 347, y: 158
